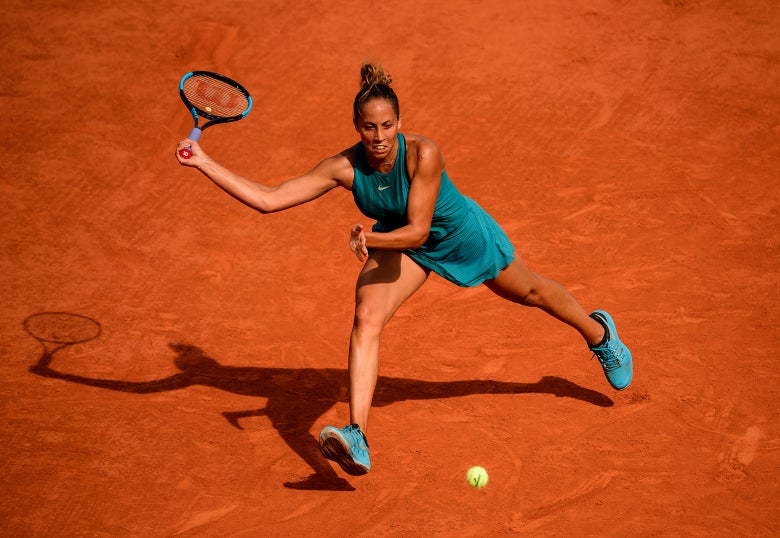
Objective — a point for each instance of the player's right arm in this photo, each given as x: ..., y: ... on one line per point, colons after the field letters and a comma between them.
x: 332, y: 172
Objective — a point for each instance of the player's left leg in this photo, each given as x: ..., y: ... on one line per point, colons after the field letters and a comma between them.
x: 518, y: 284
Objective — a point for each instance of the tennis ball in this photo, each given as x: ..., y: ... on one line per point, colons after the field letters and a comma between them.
x: 477, y: 477
x: 208, y: 109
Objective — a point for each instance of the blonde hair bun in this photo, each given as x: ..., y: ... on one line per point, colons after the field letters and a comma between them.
x: 373, y: 75
x: 374, y: 84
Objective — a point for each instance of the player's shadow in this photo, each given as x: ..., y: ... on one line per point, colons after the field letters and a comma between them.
x: 298, y: 397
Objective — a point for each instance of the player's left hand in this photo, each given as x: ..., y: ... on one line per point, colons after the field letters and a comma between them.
x: 357, y: 242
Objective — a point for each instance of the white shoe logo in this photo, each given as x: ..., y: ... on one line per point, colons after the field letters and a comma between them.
x: 383, y: 187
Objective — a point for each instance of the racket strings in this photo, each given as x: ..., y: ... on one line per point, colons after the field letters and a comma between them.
x: 215, y: 98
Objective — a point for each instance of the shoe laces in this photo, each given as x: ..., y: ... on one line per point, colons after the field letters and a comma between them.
x: 610, y: 356
x: 357, y: 437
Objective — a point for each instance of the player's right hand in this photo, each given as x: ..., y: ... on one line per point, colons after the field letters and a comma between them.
x: 197, y: 157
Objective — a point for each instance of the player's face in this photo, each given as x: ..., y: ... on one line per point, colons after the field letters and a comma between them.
x: 378, y: 129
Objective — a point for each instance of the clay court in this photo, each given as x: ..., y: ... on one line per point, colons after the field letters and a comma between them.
x: 169, y: 355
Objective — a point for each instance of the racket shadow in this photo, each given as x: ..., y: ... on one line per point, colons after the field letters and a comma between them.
x: 296, y: 398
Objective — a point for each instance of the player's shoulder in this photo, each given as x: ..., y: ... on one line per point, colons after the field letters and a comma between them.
x: 339, y: 166
x: 421, y: 149
x: 422, y: 145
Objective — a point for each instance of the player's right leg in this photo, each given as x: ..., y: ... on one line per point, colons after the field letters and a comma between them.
x: 387, y: 280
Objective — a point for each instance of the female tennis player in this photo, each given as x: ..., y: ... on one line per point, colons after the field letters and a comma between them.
x: 423, y: 224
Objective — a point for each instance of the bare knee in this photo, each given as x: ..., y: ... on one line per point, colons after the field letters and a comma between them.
x: 543, y: 293
x: 527, y: 291
x: 533, y: 296
x: 369, y: 320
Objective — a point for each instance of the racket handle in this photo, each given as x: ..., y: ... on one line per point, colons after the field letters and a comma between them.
x: 186, y: 153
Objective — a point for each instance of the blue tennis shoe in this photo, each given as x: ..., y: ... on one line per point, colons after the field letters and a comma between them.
x: 346, y: 446
x: 612, y: 353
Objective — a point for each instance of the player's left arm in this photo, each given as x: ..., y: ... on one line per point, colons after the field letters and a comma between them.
x: 426, y: 172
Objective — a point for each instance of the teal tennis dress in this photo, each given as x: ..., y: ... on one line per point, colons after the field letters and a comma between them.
x: 465, y: 245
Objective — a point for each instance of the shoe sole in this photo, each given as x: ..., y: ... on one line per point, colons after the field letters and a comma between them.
x: 332, y: 447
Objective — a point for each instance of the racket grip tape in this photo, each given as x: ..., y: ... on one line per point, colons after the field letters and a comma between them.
x: 194, y: 135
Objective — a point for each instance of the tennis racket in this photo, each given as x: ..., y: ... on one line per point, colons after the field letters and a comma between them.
x: 214, y: 97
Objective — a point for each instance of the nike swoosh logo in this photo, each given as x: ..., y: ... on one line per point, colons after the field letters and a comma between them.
x: 383, y: 187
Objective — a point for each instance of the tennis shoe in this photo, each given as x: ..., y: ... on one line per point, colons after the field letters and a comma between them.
x: 612, y: 353
x: 346, y: 446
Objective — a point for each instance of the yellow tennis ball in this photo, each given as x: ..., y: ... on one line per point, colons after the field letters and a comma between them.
x: 477, y: 477
x: 208, y: 109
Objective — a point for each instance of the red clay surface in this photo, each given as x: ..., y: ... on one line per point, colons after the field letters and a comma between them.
x: 629, y: 149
